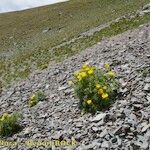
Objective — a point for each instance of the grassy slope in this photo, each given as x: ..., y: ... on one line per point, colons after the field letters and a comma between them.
x: 23, y: 46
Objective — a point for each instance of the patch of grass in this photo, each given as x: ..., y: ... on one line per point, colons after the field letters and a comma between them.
x: 114, y: 29
x: 144, y: 71
x: 23, y: 30
x: 25, y: 48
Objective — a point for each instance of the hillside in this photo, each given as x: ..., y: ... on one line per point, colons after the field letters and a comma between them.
x: 125, y: 125
x: 40, y: 51
x: 27, y: 36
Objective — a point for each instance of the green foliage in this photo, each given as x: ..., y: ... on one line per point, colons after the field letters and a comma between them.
x: 9, y: 124
x: 146, y: 73
x: 44, y: 66
x: 96, y: 88
x: 35, y: 98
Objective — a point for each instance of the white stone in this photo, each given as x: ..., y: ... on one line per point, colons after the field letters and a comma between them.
x: 99, y: 117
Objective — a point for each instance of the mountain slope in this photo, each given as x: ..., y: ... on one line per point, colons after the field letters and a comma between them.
x: 27, y: 36
x: 124, y: 126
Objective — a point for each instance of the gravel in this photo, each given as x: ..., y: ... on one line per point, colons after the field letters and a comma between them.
x: 125, y: 125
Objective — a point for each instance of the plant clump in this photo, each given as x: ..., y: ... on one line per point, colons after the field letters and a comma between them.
x: 96, y: 88
x: 35, y: 98
x: 9, y: 123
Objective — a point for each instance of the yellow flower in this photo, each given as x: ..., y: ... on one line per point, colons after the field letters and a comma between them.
x: 31, y: 103
x: 98, y: 86
x: 89, y: 102
x: 111, y: 74
x: 33, y: 97
x: 107, y: 66
x: 83, y: 74
x: 79, y: 77
x: 101, y: 91
x: 4, y: 116
x: 104, y: 95
x: 87, y: 69
x: 91, y: 71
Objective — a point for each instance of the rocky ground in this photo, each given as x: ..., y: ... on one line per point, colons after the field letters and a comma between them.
x: 124, y: 126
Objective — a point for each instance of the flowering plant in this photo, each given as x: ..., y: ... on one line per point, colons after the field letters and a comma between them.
x: 9, y: 123
x: 35, y: 98
x: 96, y: 88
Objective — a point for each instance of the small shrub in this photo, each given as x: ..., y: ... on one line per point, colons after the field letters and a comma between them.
x: 9, y: 124
x: 35, y: 98
x: 146, y: 73
x: 96, y: 88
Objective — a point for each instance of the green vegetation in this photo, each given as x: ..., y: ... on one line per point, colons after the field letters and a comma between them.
x: 145, y: 72
x: 35, y: 98
x: 9, y: 124
x: 96, y: 88
x: 24, y: 46
x: 114, y: 29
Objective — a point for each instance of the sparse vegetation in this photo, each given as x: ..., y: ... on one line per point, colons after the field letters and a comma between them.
x: 114, y: 29
x: 146, y: 73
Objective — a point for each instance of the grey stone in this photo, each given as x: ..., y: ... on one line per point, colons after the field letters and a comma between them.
x: 95, y: 129
x: 105, y: 144
x: 133, y: 118
x: 147, y: 87
x: 62, y: 88
x: 79, y: 124
x: 103, y: 133
x: 146, y: 127
x: 145, y: 145
x: 46, y: 30
x: 148, y: 98
x: 28, y: 130
x: 99, y: 117
x: 146, y: 7
x: 147, y: 80
x: 114, y: 140
x: 119, y: 141
x: 118, y: 131
x: 123, y: 90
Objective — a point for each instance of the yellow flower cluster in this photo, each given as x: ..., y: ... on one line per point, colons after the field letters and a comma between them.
x: 32, y: 101
x: 111, y: 74
x: 33, y: 97
x: 107, y: 66
x: 102, y: 91
x: 5, y: 116
x: 84, y: 72
x: 89, y: 102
